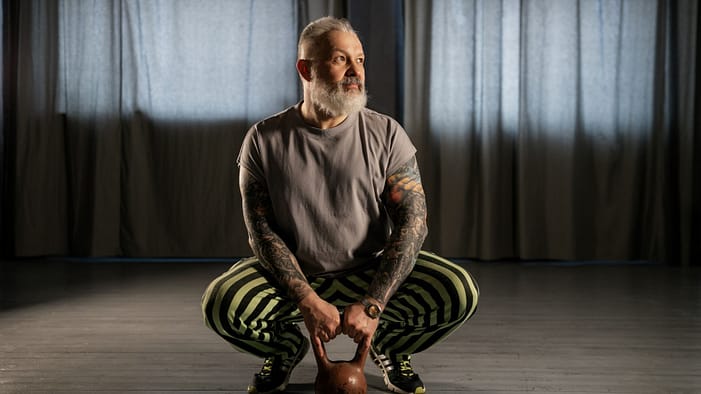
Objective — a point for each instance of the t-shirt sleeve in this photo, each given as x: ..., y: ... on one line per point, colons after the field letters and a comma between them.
x: 250, y: 155
x: 401, y: 149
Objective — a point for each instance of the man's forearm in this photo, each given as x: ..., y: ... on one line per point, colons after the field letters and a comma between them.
x: 397, y: 261
x: 406, y: 204
x: 277, y: 259
x: 269, y: 248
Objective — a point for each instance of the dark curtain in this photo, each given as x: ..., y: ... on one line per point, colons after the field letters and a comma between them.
x: 128, y: 119
x: 557, y: 129
x: 6, y: 47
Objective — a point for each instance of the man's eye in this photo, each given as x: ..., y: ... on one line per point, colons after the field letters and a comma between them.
x: 360, y: 60
x: 339, y: 59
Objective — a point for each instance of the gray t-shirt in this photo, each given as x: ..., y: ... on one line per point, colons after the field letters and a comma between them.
x: 326, y: 185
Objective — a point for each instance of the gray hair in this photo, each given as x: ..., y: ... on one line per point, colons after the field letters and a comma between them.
x: 315, y: 31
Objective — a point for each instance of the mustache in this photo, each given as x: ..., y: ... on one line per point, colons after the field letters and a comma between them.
x: 352, y: 80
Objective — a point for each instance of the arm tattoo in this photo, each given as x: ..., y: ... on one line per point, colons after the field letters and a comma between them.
x: 406, y: 203
x: 269, y: 248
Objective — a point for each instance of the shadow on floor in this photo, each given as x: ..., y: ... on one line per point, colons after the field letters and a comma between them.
x: 26, y: 282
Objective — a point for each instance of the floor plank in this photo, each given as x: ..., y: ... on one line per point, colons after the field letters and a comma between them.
x: 130, y: 327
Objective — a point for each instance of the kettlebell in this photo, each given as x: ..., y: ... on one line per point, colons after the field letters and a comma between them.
x: 340, y: 377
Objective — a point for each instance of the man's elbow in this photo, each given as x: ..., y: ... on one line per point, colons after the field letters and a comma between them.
x: 423, y: 230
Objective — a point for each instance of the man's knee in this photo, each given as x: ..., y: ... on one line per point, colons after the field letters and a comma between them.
x: 468, y: 285
x: 460, y: 286
x: 218, y: 306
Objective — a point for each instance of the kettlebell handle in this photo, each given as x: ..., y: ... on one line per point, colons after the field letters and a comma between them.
x: 322, y: 359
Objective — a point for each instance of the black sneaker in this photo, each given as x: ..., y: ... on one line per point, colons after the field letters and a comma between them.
x: 398, y: 374
x: 276, y: 371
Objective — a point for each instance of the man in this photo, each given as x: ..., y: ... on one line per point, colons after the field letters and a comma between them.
x: 336, y: 217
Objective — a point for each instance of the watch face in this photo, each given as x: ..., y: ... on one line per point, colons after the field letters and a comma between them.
x: 373, y: 311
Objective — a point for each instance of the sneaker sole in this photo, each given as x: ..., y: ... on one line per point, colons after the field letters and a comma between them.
x: 298, y: 358
x: 395, y: 389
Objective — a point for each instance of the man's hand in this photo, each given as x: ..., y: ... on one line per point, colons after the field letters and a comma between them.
x: 358, y: 325
x: 322, y: 319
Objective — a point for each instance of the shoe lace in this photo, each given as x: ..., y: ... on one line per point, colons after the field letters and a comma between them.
x: 405, y: 367
x: 267, y: 368
x: 270, y: 362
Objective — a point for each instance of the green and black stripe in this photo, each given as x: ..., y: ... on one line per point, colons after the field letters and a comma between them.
x: 245, y: 307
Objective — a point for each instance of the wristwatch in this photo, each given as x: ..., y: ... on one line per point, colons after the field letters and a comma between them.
x: 372, y: 310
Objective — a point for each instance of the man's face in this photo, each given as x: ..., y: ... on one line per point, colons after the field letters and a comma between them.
x: 338, y: 75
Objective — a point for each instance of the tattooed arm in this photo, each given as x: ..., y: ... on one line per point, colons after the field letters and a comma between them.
x: 406, y: 203
x: 321, y: 318
x: 269, y: 248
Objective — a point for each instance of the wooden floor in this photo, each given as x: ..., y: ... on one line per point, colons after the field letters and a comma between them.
x: 127, y: 327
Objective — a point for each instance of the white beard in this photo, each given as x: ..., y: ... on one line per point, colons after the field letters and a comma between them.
x: 331, y: 99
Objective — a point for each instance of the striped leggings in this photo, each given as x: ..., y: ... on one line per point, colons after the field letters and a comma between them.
x: 245, y: 307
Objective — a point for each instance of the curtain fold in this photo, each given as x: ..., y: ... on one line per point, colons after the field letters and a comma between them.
x: 88, y: 102
x: 682, y: 108
x: 39, y: 190
x: 129, y: 119
x: 556, y: 129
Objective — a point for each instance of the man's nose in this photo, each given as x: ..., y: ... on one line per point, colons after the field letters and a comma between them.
x: 354, y: 69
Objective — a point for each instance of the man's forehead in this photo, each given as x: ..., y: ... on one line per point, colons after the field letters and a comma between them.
x: 334, y: 40
x: 342, y: 41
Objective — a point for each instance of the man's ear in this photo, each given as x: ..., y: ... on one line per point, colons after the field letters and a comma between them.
x: 304, y: 69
